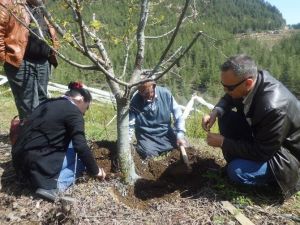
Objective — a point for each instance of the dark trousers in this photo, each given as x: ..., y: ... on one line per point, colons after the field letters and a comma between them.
x: 28, y: 84
x: 234, y: 125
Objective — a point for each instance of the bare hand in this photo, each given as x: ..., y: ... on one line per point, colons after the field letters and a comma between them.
x: 209, y: 120
x: 214, y: 140
x: 101, y: 174
x: 181, y: 142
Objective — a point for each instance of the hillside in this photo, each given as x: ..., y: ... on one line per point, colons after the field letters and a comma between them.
x: 221, y: 21
x: 269, y: 38
x: 240, y: 16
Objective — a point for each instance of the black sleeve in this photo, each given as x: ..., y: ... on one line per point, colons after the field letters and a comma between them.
x: 268, y: 137
x: 75, y: 127
x: 224, y: 105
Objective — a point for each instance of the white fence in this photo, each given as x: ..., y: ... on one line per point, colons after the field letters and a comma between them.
x: 107, y: 97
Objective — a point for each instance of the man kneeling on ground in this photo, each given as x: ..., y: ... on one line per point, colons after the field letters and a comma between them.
x: 260, y: 139
x: 150, y: 117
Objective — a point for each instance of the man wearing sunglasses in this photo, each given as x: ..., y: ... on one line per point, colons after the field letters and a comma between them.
x: 259, y: 123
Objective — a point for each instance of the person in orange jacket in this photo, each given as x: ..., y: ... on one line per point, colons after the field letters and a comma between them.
x: 27, y: 59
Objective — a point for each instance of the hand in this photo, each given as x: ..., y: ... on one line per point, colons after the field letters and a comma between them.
x: 214, y: 140
x: 101, y: 175
x: 181, y: 142
x: 209, y: 120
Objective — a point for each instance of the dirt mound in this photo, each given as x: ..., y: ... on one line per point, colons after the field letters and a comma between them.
x: 161, y: 177
x: 157, y: 198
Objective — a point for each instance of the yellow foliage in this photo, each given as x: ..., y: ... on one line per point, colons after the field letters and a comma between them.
x: 68, y: 37
x: 96, y: 25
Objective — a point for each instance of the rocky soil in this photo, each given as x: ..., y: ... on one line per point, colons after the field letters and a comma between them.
x: 165, y: 194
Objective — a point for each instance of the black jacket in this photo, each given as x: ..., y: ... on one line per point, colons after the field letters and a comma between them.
x: 275, y: 123
x: 41, y: 147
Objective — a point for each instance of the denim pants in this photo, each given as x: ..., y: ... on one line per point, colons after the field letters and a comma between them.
x: 28, y: 84
x: 72, y: 168
x: 234, y: 125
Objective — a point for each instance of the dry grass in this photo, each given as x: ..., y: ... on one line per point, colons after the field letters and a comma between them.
x: 161, y: 201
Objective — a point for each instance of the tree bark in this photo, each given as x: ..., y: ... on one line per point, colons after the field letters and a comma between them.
x: 125, y: 157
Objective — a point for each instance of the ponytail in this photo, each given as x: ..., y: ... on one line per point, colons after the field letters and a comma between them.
x: 76, y: 88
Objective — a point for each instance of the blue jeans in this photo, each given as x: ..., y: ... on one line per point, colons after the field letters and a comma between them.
x: 249, y: 172
x: 28, y: 84
x: 67, y: 175
x: 234, y: 125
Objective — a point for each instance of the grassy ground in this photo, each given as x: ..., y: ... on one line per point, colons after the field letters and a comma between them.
x: 211, y: 188
x: 100, y: 120
x: 96, y: 119
x: 7, y: 109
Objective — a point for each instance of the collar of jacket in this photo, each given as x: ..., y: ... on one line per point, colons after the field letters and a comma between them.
x: 257, y: 87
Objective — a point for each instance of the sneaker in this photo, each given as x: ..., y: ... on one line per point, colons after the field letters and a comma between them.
x: 51, y: 195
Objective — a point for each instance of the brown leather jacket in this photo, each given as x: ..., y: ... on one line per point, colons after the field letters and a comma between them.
x: 14, y: 35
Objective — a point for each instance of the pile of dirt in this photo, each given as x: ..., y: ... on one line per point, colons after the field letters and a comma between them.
x: 161, y: 177
x: 159, y: 197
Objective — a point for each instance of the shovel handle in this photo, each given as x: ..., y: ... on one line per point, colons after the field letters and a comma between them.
x: 184, y: 155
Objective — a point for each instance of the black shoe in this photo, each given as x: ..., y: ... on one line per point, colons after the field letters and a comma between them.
x: 50, y: 195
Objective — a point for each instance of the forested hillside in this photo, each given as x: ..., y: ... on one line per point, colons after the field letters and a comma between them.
x: 199, y: 69
x: 240, y: 16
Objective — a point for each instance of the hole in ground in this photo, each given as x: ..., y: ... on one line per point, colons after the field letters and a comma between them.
x: 165, y: 177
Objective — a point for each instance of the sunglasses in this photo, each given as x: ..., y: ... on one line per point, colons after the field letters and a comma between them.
x: 234, y: 86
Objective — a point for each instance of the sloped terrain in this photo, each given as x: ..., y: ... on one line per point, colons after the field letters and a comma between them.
x: 164, y: 194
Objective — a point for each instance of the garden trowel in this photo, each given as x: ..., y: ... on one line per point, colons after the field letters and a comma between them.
x: 185, y: 159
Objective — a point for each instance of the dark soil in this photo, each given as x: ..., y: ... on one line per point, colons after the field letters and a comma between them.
x: 160, y: 176
x: 165, y: 194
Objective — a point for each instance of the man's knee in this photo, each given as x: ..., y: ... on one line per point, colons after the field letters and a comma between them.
x: 249, y: 172
x: 234, y: 171
x: 145, y: 154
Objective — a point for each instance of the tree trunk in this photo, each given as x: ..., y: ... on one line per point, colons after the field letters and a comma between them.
x: 124, y: 150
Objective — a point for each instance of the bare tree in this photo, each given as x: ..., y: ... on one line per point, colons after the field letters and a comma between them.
x: 91, y: 45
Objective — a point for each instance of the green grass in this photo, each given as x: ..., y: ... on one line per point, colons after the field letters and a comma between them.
x: 96, y: 119
x: 7, y: 110
x: 193, y: 124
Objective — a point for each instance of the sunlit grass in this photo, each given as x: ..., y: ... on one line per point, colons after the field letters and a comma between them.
x: 100, y: 122
x: 8, y: 109
x: 193, y: 124
x: 96, y: 119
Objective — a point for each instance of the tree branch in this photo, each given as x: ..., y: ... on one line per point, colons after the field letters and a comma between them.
x: 75, y: 44
x: 170, y: 31
x: 172, y: 38
x: 105, y: 64
x: 127, y: 48
x: 172, y: 56
x: 96, y: 60
x: 180, y: 56
x: 140, y: 41
x: 42, y: 38
x: 81, y: 25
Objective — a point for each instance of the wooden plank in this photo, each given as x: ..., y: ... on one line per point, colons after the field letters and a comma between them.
x: 236, y: 213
